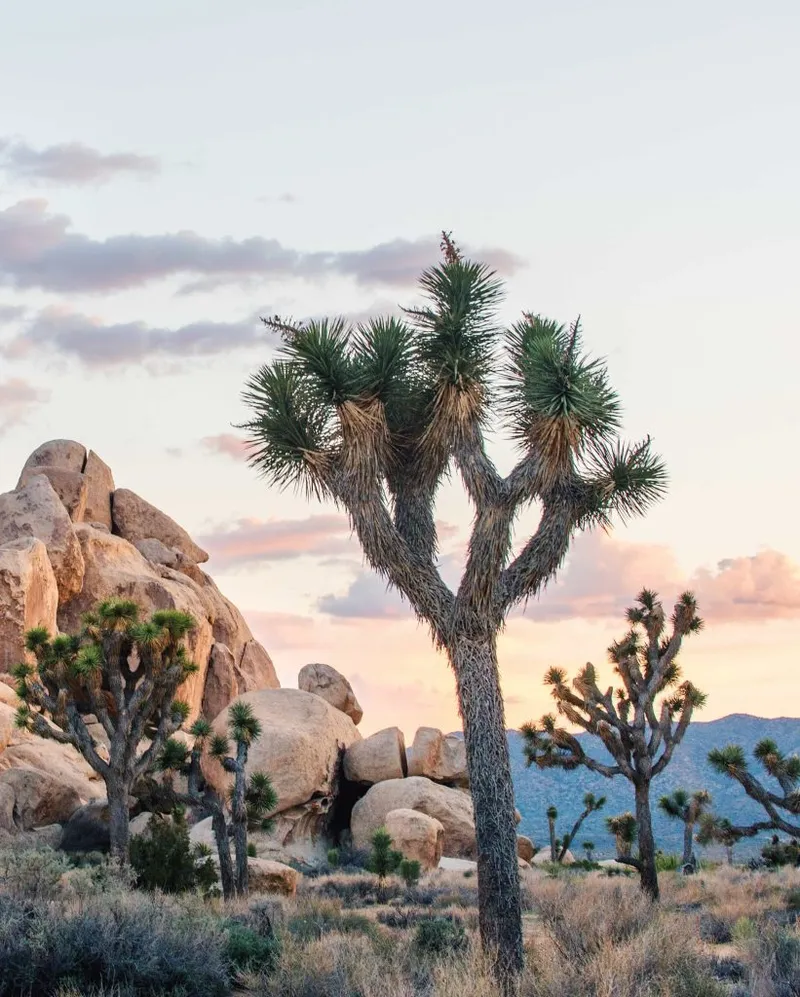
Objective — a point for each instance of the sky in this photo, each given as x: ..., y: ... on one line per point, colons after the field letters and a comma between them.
x: 171, y: 171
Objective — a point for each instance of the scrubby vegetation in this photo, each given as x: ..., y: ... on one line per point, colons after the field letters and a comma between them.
x: 71, y: 930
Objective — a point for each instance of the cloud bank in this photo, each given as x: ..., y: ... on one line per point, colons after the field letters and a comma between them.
x: 256, y: 541
x: 39, y: 249
x: 71, y: 164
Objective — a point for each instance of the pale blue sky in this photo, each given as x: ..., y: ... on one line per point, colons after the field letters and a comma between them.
x: 641, y: 159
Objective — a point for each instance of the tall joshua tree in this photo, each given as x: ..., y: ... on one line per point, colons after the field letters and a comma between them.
x: 373, y: 418
x: 780, y: 806
x: 648, y: 721
x: 688, y: 808
x: 125, y: 672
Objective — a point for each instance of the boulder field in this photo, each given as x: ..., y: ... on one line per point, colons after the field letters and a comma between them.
x: 69, y: 539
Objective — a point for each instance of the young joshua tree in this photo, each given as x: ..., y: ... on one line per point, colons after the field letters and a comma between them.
x: 251, y: 800
x: 624, y: 829
x: 591, y: 804
x: 642, y: 728
x: 552, y: 817
x: 125, y: 672
x: 589, y: 847
x: 780, y: 801
x: 688, y: 808
x: 374, y: 418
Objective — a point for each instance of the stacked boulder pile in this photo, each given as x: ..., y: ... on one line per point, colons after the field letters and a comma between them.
x: 69, y: 539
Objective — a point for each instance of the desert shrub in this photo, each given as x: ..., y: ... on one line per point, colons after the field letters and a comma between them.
x: 355, y: 890
x: 137, y: 944
x: 780, y: 853
x: 715, y: 929
x: 32, y: 873
x: 164, y: 858
x: 440, y: 936
x: 743, y: 930
x: 775, y: 962
x: 251, y: 850
x: 247, y: 950
x: 333, y: 858
x: 319, y: 918
x: 793, y: 899
x: 668, y: 863
x: 410, y: 870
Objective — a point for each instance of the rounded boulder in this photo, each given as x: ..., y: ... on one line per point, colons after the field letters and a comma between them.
x: 451, y: 807
x: 324, y: 681
x: 300, y: 747
x: 417, y: 836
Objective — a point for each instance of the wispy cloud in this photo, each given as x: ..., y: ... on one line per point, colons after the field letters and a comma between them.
x: 257, y: 541
x: 226, y: 445
x: 603, y: 576
x: 39, y: 249
x: 95, y: 343
x: 71, y: 163
x: 17, y: 399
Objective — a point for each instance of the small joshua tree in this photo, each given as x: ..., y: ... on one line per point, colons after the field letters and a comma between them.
x: 410, y: 871
x: 552, y: 817
x: 624, y: 829
x: 123, y: 671
x: 589, y: 847
x: 783, y: 769
x: 384, y: 860
x: 688, y: 808
x: 591, y: 804
x: 375, y: 417
x: 645, y: 725
x: 251, y: 800
x: 718, y: 830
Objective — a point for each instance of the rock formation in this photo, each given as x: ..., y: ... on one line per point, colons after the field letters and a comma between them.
x: 69, y: 539
x: 325, y: 681
x: 451, y: 807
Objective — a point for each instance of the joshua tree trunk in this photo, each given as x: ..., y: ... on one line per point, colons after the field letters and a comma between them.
x: 239, y: 815
x: 118, y: 823
x: 647, y: 847
x: 481, y: 706
x: 551, y: 824
x: 220, y: 829
x: 688, y: 830
x: 729, y: 854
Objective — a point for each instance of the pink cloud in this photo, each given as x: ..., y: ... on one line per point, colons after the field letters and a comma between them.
x: 227, y: 445
x: 72, y: 163
x: 252, y: 541
x: 17, y: 399
x: 765, y: 586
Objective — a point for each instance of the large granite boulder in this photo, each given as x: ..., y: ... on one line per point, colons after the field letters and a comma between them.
x: 69, y: 486
x: 451, y: 807
x: 378, y: 757
x: 35, y: 510
x: 440, y: 757
x: 135, y: 519
x: 323, y: 680
x: 301, y: 747
x: 99, y: 489
x: 31, y: 798
x: 65, y: 454
x: 525, y: 848
x: 28, y: 596
x: 417, y: 836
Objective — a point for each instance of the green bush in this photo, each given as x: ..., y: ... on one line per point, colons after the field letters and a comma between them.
x: 383, y: 860
x: 326, y: 918
x: 251, y: 850
x: 440, y: 936
x: 780, y: 853
x: 32, y: 873
x: 247, y: 950
x: 333, y: 858
x: 163, y: 857
x: 410, y: 871
x: 668, y: 863
x: 128, y: 945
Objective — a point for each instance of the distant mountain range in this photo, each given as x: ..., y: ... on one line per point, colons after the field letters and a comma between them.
x: 536, y: 789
